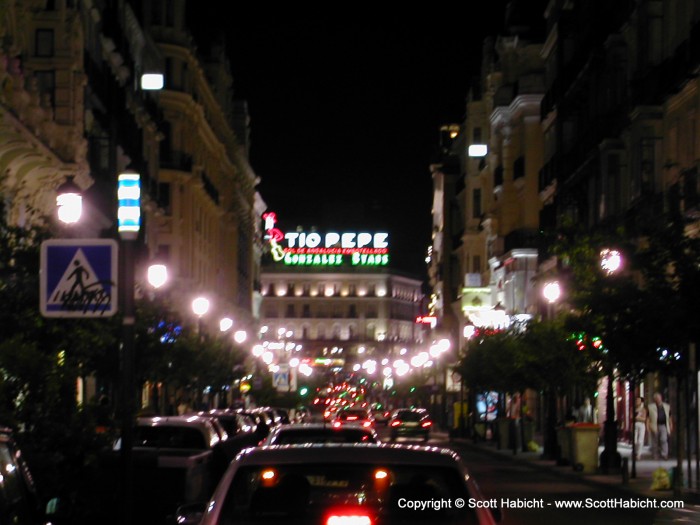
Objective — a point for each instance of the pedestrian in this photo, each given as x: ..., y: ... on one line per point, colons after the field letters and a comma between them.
x: 640, y: 425
x: 659, y: 426
x: 585, y: 412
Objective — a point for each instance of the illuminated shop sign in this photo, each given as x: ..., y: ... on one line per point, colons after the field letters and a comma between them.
x: 330, y: 249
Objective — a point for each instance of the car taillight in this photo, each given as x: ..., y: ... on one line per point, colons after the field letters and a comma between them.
x: 336, y: 424
x: 351, y: 418
x: 366, y: 424
x: 349, y: 519
x: 395, y: 423
x: 426, y: 424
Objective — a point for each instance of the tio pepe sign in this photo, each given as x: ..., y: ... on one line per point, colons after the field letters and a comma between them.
x: 331, y: 249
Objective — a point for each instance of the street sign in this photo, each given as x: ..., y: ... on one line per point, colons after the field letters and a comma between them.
x: 280, y: 379
x: 78, y: 278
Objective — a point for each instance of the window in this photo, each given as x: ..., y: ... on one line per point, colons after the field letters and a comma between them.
x: 306, y: 311
x: 43, y: 43
x: 164, y: 197
x: 476, y: 264
x: 46, y: 82
x: 352, y: 313
x: 519, y: 168
x: 476, y: 203
x: 290, y: 311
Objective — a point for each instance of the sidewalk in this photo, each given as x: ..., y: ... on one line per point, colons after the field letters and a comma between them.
x: 639, y: 486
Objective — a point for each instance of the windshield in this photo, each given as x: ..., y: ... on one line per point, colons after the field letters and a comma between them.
x: 407, y: 415
x: 329, y: 435
x: 301, y: 494
x: 353, y: 414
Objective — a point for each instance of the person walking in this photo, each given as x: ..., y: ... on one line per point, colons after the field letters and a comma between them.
x: 640, y: 426
x: 659, y: 425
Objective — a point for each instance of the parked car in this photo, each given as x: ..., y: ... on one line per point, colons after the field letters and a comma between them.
x: 354, y: 416
x: 410, y: 422
x: 320, y: 433
x: 18, y: 499
x: 321, y: 484
x: 177, y: 460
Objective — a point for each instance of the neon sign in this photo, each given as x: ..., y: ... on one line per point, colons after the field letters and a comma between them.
x: 331, y: 249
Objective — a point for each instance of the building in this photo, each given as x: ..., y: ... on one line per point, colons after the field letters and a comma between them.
x: 203, y: 219
x: 335, y: 297
x: 486, y: 208
x: 72, y: 106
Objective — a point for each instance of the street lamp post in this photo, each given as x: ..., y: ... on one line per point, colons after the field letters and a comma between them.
x: 551, y: 292
x: 610, y: 263
x: 129, y: 224
x: 200, y: 306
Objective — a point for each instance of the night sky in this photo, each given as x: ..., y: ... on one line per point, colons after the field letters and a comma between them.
x: 345, y: 112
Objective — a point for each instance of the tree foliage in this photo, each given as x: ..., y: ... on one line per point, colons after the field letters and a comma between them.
x: 543, y: 358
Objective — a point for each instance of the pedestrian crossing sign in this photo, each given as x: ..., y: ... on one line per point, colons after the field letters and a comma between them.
x: 79, y: 278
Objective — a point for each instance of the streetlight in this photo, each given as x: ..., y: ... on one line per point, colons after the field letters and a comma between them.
x: 240, y: 336
x: 225, y: 324
x: 69, y: 201
x: 200, y: 306
x: 157, y: 275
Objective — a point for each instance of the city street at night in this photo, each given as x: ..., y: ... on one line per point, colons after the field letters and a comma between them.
x: 309, y: 266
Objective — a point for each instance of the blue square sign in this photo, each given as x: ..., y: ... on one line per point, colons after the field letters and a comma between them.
x: 79, y: 278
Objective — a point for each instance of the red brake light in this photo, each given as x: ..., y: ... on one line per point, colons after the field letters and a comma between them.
x: 426, y: 424
x: 354, y: 518
x: 395, y: 423
x: 351, y: 418
x: 366, y: 424
x: 336, y: 424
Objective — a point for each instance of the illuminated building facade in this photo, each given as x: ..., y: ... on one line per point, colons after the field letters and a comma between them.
x: 342, y: 301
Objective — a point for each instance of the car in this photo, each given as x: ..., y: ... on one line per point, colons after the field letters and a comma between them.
x: 381, y: 414
x: 18, y: 498
x: 354, y: 416
x: 410, y: 422
x: 231, y: 421
x: 320, y: 433
x: 344, y: 483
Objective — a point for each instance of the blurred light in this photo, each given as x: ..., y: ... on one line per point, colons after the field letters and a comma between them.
x: 478, y: 150
x: 152, y: 81
x: 129, y: 209
x: 240, y: 336
x: 200, y: 306
x: 610, y: 261
x: 69, y: 201
x: 225, y: 324
x: 551, y: 291
x: 469, y: 331
x: 157, y: 275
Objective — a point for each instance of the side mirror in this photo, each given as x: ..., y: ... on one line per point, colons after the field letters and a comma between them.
x: 190, y: 514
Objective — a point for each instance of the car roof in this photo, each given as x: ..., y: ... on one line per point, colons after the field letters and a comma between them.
x: 175, y: 421
x: 368, y: 453
x: 318, y: 426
